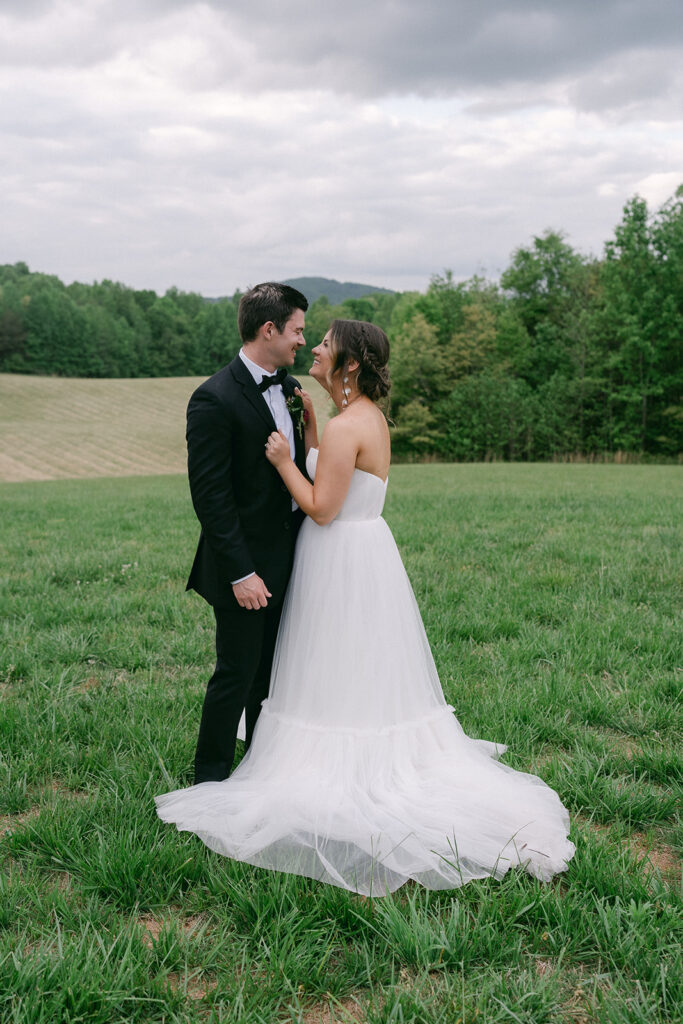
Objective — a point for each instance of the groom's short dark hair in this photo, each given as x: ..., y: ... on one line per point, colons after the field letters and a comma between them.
x: 264, y: 302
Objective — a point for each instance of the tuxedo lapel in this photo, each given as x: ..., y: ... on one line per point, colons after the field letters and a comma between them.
x: 299, y: 450
x: 251, y: 392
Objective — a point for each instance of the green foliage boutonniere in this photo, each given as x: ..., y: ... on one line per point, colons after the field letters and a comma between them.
x: 298, y: 413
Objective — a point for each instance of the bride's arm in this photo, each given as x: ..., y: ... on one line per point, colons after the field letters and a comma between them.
x: 311, y: 427
x: 323, y: 499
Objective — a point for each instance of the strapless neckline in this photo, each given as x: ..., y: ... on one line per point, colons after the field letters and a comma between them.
x: 384, y: 482
x: 363, y: 502
x: 313, y: 456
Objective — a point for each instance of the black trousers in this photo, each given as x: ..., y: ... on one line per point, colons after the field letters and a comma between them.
x: 245, y: 642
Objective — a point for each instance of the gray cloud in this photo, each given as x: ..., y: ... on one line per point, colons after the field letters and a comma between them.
x: 444, y: 48
x: 435, y: 47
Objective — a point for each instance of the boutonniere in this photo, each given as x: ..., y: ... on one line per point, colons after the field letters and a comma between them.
x: 298, y: 413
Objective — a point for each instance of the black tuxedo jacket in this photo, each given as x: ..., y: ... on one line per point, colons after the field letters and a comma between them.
x: 244, y: 509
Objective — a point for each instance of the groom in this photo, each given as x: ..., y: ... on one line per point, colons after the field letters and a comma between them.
x: 249, y: 522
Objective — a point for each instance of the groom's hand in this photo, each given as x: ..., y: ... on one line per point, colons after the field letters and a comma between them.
x: 251, y: 593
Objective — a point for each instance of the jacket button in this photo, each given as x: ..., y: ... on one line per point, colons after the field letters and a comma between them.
x: 287, y: 525
x: 282, y: 487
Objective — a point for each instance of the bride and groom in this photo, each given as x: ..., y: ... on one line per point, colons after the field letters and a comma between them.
x: 358, y: 772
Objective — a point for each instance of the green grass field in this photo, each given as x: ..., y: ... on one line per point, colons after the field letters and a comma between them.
x: 549, y: 596
x: 56, y: 428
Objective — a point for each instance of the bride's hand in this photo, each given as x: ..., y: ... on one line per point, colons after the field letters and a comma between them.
x: 277, y: 448
x: 306, y: 399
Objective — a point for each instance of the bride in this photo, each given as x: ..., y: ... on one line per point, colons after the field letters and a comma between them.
x: 359, y: 774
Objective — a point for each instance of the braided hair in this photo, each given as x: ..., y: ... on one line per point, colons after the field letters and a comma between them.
x: 369, y: 346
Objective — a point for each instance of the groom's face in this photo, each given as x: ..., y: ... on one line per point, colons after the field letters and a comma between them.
x: 284, y: 346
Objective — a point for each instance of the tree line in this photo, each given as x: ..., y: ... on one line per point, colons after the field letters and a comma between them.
x: 565, y: 355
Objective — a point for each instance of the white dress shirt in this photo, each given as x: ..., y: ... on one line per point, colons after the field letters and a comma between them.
x: 276, y: 402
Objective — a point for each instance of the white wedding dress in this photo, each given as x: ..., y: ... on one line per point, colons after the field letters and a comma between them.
x: 359, y: 774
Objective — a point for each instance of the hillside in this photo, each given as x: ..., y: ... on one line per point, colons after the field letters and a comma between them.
x: 54, y: 428
x: 336, y: 291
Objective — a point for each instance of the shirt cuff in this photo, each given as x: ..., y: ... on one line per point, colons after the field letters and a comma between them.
x: 242, y: 578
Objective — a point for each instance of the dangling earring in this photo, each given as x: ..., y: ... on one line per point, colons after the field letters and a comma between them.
x: 345, y: 391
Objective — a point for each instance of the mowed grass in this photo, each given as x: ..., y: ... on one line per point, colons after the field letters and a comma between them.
x: 549, y: 596
x: 54, y: 428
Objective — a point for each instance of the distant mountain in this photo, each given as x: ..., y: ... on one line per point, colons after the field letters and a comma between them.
x: 336, y: 291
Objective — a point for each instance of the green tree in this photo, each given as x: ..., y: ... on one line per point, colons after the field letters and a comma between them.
x: 12, y: 341
x: 12, y: 325
x: 418, y: 364
x: 539, y: 282
x: 666, y: 417
x: 57, y: 337
x: 172, y: 349
x: 473, y: 347
x: 413, y: 432
x: 218, y: 338
x: 637, y: 332
x: 584, y: 381
x: 442, y: 306
x: 486, y: 416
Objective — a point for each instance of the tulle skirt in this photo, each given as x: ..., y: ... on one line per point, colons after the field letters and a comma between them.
x: 359, y: 774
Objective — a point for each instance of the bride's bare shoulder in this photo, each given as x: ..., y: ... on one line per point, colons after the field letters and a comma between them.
x: 358, y: 415
x: 337, y: 426
x: 339, y: 433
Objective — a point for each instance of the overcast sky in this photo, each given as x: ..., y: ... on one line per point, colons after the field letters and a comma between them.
x: 214, y: 145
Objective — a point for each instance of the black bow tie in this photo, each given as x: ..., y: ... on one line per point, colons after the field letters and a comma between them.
x: 277, y: 378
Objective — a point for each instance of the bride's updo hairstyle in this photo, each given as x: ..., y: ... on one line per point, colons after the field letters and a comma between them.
x: 369, y: 346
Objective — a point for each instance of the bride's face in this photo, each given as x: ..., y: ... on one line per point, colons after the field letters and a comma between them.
x: 323, y: 361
